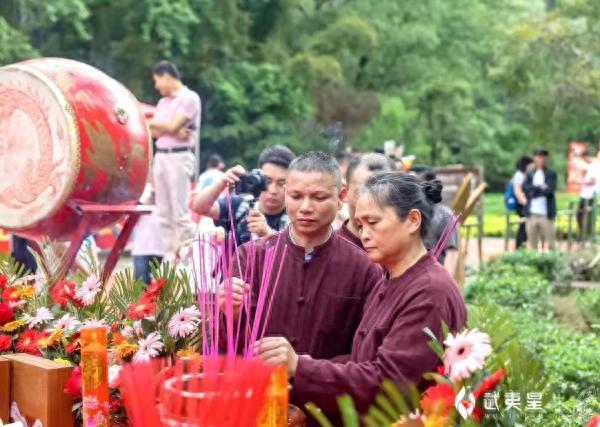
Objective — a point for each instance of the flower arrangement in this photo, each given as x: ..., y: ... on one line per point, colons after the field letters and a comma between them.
x: 43, y: 318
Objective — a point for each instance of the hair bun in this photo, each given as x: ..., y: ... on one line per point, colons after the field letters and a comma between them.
x: 433, y: 190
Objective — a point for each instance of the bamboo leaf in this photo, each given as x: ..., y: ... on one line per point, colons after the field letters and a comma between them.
x: 348, y: 411
x: 318, y: 414
x: 396, y: 397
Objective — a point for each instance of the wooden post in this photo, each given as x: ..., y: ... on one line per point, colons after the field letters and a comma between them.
x: 570, y: 227
x: 507, y: 232
x: 4, y: 389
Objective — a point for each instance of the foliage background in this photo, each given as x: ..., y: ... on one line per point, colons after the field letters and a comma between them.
x: 469, y: 81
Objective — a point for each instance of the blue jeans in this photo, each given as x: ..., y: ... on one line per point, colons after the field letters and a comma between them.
x: 141, y: 266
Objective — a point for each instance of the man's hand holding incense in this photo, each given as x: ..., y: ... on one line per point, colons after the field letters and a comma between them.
x: 236, y: 291
x: 278, y: 351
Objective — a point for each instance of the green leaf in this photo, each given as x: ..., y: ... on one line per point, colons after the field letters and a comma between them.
x: 348, y: 411
x: 318, y: 415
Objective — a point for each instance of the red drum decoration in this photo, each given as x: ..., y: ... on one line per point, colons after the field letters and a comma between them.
x: 69, y: 135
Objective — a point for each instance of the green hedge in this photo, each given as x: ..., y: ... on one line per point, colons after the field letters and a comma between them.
x: 516, y: 286
x: 589, y: 303
x: 519, y: 284
x: 552, y: 265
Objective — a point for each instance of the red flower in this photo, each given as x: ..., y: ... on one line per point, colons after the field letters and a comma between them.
x: 478, y: 413
x: 595, y: 421
x: 3, y: 281
x: 6, y: 313
x: 5, y: 342
x: 153, y: 291
x: 115, y: 404
x: 62, y: 292
x: 10, y: 293
x: 73, y: 384
x: 74, y: 345
x: 28, y: 342
x: 141, y: 310
x: 489, y: 383
x: 438, y: 399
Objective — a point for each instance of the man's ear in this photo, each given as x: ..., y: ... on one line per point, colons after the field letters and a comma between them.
x: 343, y: 193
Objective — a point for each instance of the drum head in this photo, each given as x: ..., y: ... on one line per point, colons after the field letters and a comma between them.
x: 39, y: 147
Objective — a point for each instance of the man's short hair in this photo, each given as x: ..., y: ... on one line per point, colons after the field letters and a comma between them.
x: 343, y: 156
x: 373, y: 162
x: 166, y: 67
x: 278, y: 155
x: 214, y: 161
x: 318, y: 161
x: 541, y: 152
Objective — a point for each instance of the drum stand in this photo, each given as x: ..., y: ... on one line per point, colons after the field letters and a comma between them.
x: 88, y: 211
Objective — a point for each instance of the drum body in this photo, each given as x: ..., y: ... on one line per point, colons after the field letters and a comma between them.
x: 69, y: 135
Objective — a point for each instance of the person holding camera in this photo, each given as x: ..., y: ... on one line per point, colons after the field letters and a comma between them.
x: 258, y: 207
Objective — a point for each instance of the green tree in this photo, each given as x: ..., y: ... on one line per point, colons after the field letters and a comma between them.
x: 14, y: 45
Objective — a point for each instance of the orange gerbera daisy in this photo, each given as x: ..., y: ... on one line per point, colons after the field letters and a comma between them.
x: 14, y: 325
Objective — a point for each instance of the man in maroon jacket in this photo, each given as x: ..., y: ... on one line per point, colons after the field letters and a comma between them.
x: 325, y: 279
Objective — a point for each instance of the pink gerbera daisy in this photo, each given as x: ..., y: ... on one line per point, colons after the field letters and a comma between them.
x: 149, y: 347
x: 466, y: 353
x: 184, y: 322
x: 67, y: 322
x: 88, y: 290
x: 42, y: 315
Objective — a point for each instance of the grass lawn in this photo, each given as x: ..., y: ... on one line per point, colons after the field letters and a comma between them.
x: 494, y: 220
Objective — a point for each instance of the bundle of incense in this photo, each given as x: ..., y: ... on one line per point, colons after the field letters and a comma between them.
x: 225, y: 328
x: 215, y: 391
x: 450, y: 228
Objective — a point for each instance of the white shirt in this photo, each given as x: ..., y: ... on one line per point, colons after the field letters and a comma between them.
x: 539, y: 205
x: 593, y: 174
x: 518, y: 178
x: 147, y: 237
x: 209, y: 177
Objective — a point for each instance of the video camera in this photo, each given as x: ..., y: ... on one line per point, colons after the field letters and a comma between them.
x: 252, y: 183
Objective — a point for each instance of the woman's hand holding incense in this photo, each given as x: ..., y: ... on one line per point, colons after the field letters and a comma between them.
x: 235, y: 292
x: 278, y: 351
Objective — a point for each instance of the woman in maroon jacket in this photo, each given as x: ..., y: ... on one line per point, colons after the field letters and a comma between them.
x: 393, y: 211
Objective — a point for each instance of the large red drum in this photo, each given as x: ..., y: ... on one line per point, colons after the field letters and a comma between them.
x: 69, y: 135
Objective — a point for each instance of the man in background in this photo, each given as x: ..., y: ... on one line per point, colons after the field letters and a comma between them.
x: 263, y: 220
x: 213, y: 172
x: 539, y: 188
x: 358, y: 171
x: 590, y: 189
x: 175, y: 125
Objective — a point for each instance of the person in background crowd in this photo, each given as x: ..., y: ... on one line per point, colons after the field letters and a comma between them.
x: 359, y: 170
x: 213, y: 172
x: 268, y: 217
x: 20, y: 253
x: 441, y: 216
x: 176, y: 126
x: 524, y: 164
x: 590, y: 189
x: 539, y: 188
x: 147, y: 240
x: 343, y: 157
x: 393, y: 211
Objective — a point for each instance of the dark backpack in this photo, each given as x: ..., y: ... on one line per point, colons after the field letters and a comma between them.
x: 510, y: 199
